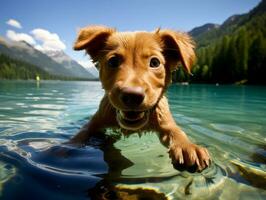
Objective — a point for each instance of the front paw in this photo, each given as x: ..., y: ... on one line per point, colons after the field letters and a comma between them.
x: 189, y: 156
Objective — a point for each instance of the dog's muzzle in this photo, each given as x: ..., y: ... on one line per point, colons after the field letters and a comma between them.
x: 132, y: 120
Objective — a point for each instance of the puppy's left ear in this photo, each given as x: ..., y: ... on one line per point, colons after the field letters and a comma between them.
x: 177, y: 47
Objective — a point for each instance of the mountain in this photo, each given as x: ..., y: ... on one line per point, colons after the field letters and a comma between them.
x: 16, y: 69
x: 208, y: 33
x: 70, y: 64
x: 260, y: 9
x: 62, y: 65
x: 196, y: 32
x: 233, y: 52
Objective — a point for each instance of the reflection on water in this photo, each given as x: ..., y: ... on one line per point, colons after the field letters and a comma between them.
x: 35, y: 121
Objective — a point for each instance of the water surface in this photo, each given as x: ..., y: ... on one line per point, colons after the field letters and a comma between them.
x: 37, y: 118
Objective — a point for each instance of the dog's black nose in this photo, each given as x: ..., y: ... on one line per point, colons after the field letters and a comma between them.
x: 132, y: 96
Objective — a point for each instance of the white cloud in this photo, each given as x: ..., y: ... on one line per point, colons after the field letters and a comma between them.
x: 50, y: 41
x: 14, y: 23
x: 39, y: 47
x: 12, y: 35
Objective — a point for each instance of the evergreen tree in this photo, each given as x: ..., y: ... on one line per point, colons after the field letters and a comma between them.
x: 219, y: 66
x: 242, y: 45
x: 257, y: 61
x: 234, y: 52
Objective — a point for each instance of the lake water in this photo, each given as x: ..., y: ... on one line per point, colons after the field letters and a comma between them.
x: 37, y: 118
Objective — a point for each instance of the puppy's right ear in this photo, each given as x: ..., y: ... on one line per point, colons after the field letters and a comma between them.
x: 92, y: 38
x: 178, y: 47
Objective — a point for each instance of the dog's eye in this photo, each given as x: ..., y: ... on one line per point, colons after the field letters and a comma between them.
x: 114, y: 62
x: 155, y: 62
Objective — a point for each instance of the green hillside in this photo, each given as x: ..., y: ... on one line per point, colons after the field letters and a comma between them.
x: 16, y: 69
x: 233, y: 53
x: 56, y: 63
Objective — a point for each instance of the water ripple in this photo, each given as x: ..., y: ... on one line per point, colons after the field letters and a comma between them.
x: 35, y: 121
x: 227, y: 128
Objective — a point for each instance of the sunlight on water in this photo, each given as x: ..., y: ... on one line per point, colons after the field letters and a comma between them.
x: 36, y: 119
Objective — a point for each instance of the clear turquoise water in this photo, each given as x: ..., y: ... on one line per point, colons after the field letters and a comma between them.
x: 35, y: 119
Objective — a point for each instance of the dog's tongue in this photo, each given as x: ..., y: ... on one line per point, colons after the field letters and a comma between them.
x: 132, y: 115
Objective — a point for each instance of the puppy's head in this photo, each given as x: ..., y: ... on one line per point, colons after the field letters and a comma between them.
x: 135, y: 67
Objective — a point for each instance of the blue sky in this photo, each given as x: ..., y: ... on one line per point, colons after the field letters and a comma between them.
x: 59, y: 20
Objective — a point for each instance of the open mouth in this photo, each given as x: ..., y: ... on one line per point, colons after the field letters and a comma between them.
x: 132, y: 120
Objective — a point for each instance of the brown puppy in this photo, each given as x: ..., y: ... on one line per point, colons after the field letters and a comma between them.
x: 135, y: 70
